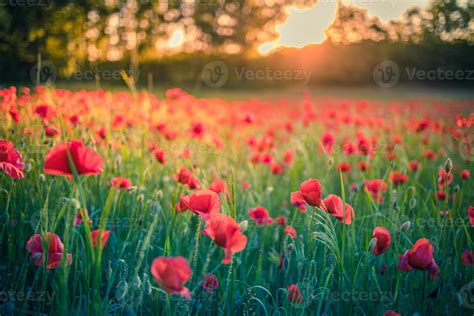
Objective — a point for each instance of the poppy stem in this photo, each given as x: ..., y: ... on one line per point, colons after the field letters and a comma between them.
x: 197, y: 238
x: 227, y: 288
x: 423, y: 291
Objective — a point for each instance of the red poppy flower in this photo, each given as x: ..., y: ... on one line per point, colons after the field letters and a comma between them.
x: 363, y: 145
x: 294, y: 294
x: 441, y: 195
x: 210, y: 283
x: 78, y: 220
x: 121, y: 183
x: 344, y: 167
x: 181, y: 205
x: 310, y: 192
x: 45, y: 112
x: 255, y: 158
x: 160, y: 155
x: 186, y: 153
x: 383, y: 240
x: 197, y: 129
x: 470, y: 212
x: 175, y: 94
x: 183, y: 175
x: 297, y: 199
x: 51, y: 131
x: 85, y: 160
x: 376, y: 188
x: 290, y: 231
x: 444, y: 178
x: 398, y: 178
x: 288, y: 156
x: 10, y: 160
x: 348, y: 148
x: 245, y: 185
x: 104, y: 237
x: 260, y: 215
x: 363, y: 166
x: 420, y: 257
x: 391, y: 313
x: 102, y: 133
x: 170, y: 273
x: 54, y: 253
x: 267, y: 158
x: 202, y: 202
x: 226, y: 234
x: 327, y: 141
x: 15, y: 114
x: 468, y: 257
x: 334, y: 205
x: 281, y: 220
x: 465, y: 175
x: 276, y: 168
x: 430, y: 155
x: 413, y: 166
x: 193, y: 183
x: 218, y: 186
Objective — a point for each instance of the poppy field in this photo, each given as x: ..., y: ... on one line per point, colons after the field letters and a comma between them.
x: 135, y: 204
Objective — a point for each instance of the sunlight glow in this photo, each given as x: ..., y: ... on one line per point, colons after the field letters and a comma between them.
x: 306, y: 26
x: 176, y: 39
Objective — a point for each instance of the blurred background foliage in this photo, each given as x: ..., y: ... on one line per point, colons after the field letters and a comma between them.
x: 139, y: 34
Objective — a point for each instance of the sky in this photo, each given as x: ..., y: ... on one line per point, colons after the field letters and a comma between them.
x: 306, y: 26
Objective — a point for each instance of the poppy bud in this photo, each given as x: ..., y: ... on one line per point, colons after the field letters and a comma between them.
x: 412, y: 203
x: 330, y: 162
x: 448, y: 165
x: 372, y: 243
x: 244, y: 225
x: 75, y: 203
x: 136, y: 282
x: 41, y: 178
x: 392, y: 164
x: 290, y: 247
x: 405, y: 226
x: 108, y: 272
x: 146, y: 284
x: 395, y: 204
x: 140, y: 198
x: 356, y: 188
x: 269, y: 189
x: 121, y: 290
x: 118, y: 161
x: 456, y: 188
x: 159, y: 194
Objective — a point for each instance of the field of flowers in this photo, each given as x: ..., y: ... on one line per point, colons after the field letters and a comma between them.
x: 126, y: 203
